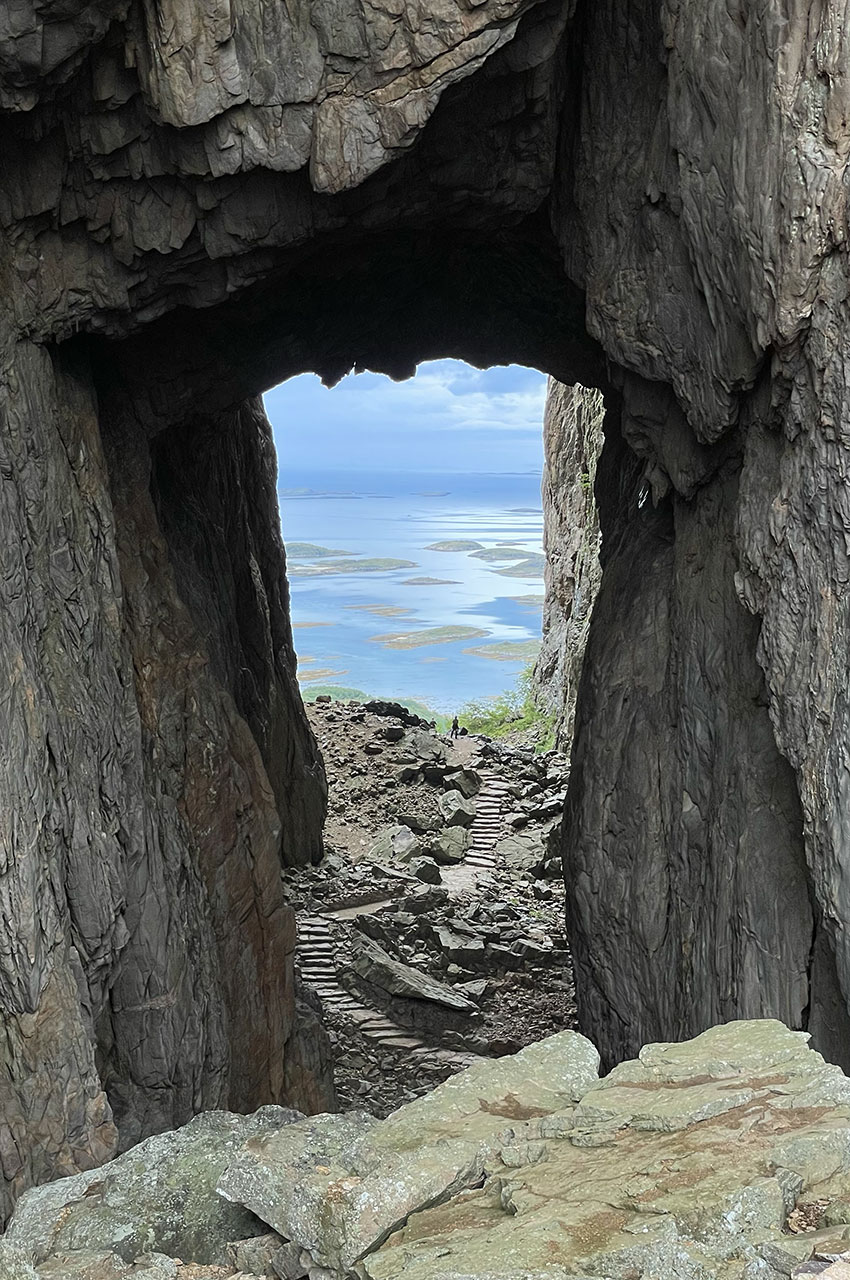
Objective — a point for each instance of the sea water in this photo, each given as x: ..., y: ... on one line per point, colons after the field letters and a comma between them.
x: 361, y: 630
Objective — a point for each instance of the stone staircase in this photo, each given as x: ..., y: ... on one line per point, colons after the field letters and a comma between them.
x: 488, y: 827
x: 316, y: 948
x: 316, y: 951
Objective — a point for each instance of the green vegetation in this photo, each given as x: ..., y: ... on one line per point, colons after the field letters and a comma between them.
x: 341, y: 693
x: 338, y: 692
x: 381, y: 610
x: 511, y: 712
x: 428, y: 635
x: 456, y: 544
x: 314, y: 674
x: 430, y: 582
x: 496, y: 555
x: 531, y: 567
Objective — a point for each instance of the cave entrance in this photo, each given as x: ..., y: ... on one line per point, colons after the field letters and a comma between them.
x: 412, y: 518
x: 412, y: 514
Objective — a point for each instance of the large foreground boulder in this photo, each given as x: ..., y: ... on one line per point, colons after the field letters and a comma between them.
x: 726, y: 1157
x: 340, y: 1185
x: 158, y: 1198
x: 683, y: 1165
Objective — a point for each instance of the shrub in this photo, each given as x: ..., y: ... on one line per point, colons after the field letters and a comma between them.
x: 511, y: 712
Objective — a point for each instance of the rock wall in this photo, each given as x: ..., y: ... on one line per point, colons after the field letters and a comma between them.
x: 572, y: 442
x: 200, y: 199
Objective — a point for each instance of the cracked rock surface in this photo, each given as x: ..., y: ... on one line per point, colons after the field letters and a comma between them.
x: 726, y: 1157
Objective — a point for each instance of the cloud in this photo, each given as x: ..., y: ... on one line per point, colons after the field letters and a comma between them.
x: 447, y: 409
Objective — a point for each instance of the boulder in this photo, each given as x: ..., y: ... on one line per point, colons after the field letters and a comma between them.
x: 681, y: 1165
x: 425, y: 901
x: 456, y: 810
x: 426, y: 870
x: 435, y: 773
x: 159, y: 1197
x: 466, y: 781
x: 462, y: 948
x: 418, y: 822
x: 372, y: 963
x: 260, y: 1255
x: 451, y: 845
x: 396, y: 712
x: 523, y: 851
x: 426, y: 747
x: 340, y: 1185
x: 397, y: 842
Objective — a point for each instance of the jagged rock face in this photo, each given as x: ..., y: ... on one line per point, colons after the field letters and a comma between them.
x: 572, y: 442
x: 200, y: 199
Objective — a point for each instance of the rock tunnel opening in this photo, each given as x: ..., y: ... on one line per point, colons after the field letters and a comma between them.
x: 671, y: 650
x: 413, y: 525
x: 462, y: 952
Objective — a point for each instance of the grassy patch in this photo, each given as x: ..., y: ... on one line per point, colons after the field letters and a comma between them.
x: 498, y: 555
x: 312, y: 551
x: 314, y: 674
x: 511, y: 712
x: 507, y: 650
x: 381, y: 610
x: 341, y: 693
x: 531, y: 567
x: 326, y: 568
x: 430, y: 582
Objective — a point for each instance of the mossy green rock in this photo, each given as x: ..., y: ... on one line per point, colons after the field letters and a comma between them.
x: 339, y: 1185
x: 681, y: 1165
x: 160, y: 1197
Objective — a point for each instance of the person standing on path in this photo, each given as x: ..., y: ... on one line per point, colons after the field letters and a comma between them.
x: 455, y: 728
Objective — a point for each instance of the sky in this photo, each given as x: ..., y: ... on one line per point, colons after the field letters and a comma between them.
x: 449, y: 417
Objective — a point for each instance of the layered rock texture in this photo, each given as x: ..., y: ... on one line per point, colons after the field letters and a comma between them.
x: 200, y: 198
x: 572, y: 442
x: 723, y: 1158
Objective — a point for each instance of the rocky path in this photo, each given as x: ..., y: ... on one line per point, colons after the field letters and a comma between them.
x: 488, y: 826
x: 428, y: 947
x: 317, y: 953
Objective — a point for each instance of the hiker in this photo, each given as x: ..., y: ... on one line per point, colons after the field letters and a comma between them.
x: 455, y: 728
